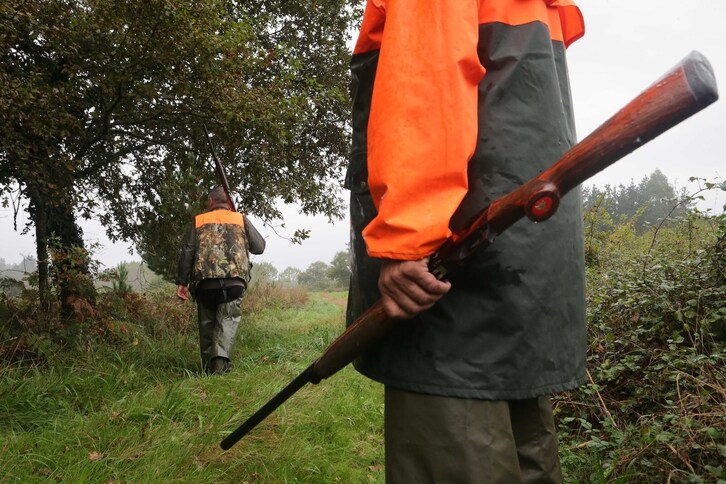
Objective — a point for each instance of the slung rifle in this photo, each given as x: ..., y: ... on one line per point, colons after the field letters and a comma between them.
x: 219, y: 169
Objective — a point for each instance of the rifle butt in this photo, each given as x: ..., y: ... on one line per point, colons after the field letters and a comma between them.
x: 683, y: 91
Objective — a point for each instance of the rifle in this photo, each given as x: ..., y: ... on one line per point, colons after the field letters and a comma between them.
x: 686, y: 89
x: 219, y: 169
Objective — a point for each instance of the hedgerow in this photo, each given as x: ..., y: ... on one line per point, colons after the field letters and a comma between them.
x: 655, y: 407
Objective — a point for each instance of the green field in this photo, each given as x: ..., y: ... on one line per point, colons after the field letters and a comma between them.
x: 135, y: 408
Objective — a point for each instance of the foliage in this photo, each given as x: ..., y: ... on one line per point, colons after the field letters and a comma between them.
x: 104, y: 103
x: 266, y: 291
x: 288, y: 277
x: 339, y: 269
x: 71, y: 266
x: 262, y: 273
x: 644, y: 205
x: 10, y: 287
x: 20, y: 270
x: 654, y: 409
x: 120, y: 279
x: 320, y: 276
x: 315, y: 277
x: 13, y: 277
x: 126, y: 398
x: 273, y: 295
x: 135, y: 274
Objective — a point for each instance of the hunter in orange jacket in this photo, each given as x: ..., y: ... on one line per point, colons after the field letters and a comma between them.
x: 456, y: 103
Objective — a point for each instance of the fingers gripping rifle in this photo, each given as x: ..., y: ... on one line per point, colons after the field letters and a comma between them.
x: 689, y: 87
x: 219, y: 169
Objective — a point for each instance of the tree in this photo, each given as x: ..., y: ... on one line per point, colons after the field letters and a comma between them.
x: 262, y: 273
x: 659, y: 200
x: 647, y: 204
x: 289, y: 277
x: 103, y: 104
x: 314, y: 277
x: 120, y: 279
x: 339, y: 269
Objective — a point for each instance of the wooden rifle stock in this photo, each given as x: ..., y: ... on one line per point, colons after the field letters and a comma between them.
x: 219, y: 169
x: 686, y: 89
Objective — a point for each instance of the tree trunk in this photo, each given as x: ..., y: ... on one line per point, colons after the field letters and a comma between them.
x: 40, y: 219
x: 71, y: 262
x: 58, y: 237
x: 41, y: 237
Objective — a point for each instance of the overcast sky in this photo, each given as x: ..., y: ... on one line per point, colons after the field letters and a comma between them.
x: 627, y: 46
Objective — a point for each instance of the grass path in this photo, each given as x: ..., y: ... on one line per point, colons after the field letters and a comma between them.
x: 142, y: 412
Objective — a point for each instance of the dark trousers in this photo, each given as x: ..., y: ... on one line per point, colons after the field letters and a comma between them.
x: 219, y: 314
x: 217, y: 329
x: 434, y: 439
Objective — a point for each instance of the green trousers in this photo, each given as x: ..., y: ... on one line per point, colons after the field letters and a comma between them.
x: 217, y: 329
x: 434, y: 439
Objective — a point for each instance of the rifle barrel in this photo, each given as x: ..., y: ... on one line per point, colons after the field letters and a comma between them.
x: 289, y: 390
x: 219, y: 168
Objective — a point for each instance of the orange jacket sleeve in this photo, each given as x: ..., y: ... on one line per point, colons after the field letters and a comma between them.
x: 423, y: 122
x: 571, y: 26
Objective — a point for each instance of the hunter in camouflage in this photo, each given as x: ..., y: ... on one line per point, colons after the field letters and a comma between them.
x: 214, y: 265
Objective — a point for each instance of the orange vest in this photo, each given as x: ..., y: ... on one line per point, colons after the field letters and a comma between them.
x: 219, y: 217
x: 221, y: 246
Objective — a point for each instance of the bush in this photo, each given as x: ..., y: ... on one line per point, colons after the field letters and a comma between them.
x: 655, y: 408
x: 273, y: 295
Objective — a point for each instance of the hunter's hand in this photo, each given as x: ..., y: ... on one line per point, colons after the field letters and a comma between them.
x: 182, y: 292
x: 407, y: 288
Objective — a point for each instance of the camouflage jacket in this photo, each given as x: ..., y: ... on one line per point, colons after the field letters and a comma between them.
x: 218, y: 246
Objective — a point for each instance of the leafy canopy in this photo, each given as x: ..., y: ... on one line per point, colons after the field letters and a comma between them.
x: 104, y: 102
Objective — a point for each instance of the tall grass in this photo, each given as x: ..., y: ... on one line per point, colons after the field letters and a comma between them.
x: 132, y: 405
